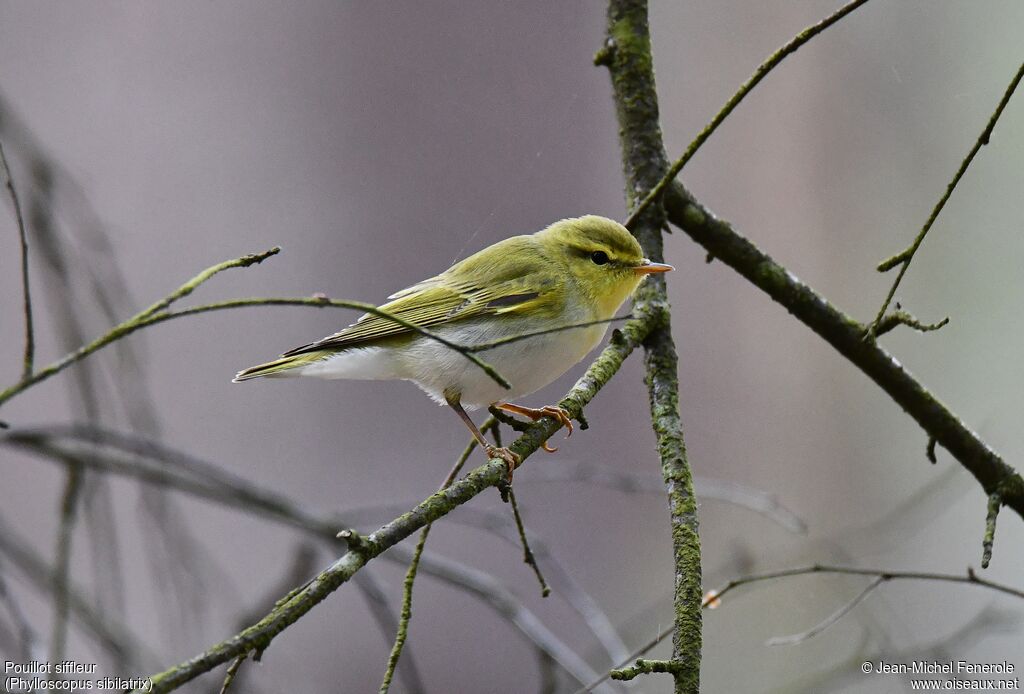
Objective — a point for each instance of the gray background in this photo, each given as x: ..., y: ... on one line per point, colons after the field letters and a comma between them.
x: 379, y: 142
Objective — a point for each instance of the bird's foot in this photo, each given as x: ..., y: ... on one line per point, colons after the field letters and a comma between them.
x: 559, y: 414
x: 512, y: 460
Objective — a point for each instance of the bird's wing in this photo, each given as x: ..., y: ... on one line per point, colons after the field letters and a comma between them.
x: 478, y: 286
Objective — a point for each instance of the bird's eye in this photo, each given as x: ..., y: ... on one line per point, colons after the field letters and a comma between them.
x: 599, y: 257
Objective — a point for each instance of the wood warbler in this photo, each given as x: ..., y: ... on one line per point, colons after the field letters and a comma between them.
x: 574, y: 271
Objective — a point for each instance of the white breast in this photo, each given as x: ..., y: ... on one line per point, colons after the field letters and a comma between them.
x: 528, y: 365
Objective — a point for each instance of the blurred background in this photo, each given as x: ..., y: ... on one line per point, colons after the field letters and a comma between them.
x: 377, y: 143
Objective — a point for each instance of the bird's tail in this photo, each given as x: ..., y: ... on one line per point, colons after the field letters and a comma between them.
x: 279, y: 367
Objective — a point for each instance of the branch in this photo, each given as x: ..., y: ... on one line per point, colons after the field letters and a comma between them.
x: 27, y: 362
x: 259, y: 636
x: 760, y: 73
x: 627, y: 54
x: 132, y: 324
x: 157, y: 464
x: 794, y: 639
x: 185, y: 473
x: 645, y: 667
x: 904, y: 257
x: 846, y: 335
x: 899, y: 317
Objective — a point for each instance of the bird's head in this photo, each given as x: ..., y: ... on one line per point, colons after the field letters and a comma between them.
x: 602, y: 256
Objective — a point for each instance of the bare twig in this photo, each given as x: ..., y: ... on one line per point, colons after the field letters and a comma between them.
x: 762, y: 71
x: 970, y: 578
x: 828, y: 621
x: 896, y: 318
x: 131, y: 325
x: 904, y: 257
x: 528, y: 556
x: 27, y: 362
x: 387, y: 619
x: 537, y: 333
x: 402, y: 633
x: 229, y: 676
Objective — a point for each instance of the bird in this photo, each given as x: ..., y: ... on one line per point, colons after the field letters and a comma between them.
x: 578, y: 270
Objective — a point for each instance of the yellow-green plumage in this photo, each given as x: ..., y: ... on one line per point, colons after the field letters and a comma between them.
x: 575, y: 270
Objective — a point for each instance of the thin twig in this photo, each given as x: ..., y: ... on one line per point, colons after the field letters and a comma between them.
x: 828, y: 621
x: 904, y: 257
x: 537, y: 333
x: 402, y: 633
x: 132, y: 324
x: 528, y: 556
x: 897, y: 318
x: 970, y: 577
x: 387, y: 619
x: 27, y: 362
x: 767, y: 66
x: 229, y: 676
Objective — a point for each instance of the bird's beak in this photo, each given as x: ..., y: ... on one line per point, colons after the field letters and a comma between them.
x: 646, y: 267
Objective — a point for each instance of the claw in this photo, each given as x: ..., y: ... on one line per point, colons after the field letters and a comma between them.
x: 547, y: 448
x: 512, y: 460
x: 556, y: 413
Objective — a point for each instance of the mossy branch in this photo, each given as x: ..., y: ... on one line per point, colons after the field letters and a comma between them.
x: 259, y: 636
x: 906, y: 256
x: 113, y: 453
x: 630, y: 65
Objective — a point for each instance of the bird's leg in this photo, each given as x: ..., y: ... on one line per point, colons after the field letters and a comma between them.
x: 557, y: 413
x: 510, y: 458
